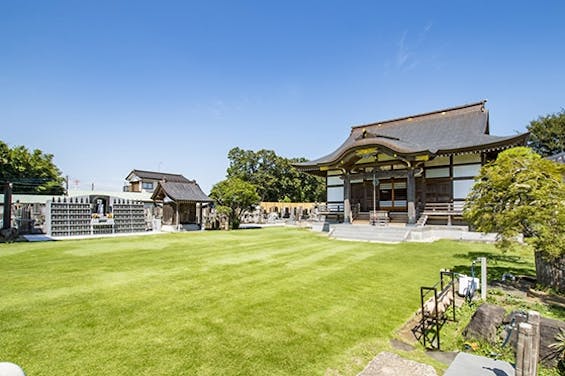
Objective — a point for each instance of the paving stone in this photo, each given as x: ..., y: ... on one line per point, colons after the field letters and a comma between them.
x: 389, y: 364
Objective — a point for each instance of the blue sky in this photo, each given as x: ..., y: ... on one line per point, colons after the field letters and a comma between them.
x: 109, y: 86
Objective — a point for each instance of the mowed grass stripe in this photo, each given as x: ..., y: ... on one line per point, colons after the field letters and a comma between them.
x: 271, y: 301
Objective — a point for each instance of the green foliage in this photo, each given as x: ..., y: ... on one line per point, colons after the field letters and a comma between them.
x: 452, y: 332
x: 234, y: 196
x: 521, y: 193
x: 559, y: 345
x: 274, y: 177
x: 30, y: 172
x: 547, y: 134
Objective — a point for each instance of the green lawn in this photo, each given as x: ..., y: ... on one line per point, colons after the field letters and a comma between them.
x: 276, y: 301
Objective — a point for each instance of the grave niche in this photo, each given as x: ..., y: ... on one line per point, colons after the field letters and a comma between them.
x: 100, y: 206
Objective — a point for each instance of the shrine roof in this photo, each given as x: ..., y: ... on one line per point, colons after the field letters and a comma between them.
x: 452, y: 130
x: 180, y: 191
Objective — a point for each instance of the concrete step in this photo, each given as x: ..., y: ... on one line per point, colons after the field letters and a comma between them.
x: 369, y: 233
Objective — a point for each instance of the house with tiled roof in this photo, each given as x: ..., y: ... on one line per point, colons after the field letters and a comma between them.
x: 402, y: 166
x: 146, y: 181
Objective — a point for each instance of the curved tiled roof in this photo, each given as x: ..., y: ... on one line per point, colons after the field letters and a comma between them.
x: 458, y: 129
x: 180, y: 191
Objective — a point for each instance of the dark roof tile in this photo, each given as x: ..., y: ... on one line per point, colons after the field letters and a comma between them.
x: 460, y: 128
x: 152, y: 175
x: 180, y: 191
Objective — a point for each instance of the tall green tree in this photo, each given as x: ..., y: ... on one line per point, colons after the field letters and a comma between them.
x: 31, y: 172
x: 547, y: 134
x: 234, y: 197
x: 274, y: 177
x: 523, y: 194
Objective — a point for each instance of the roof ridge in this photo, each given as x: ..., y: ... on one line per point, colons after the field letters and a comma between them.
x: 155, y: 172
x: 481, y: 103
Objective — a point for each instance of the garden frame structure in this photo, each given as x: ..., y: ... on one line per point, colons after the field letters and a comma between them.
x: 434, y: 307
x: 400, y: 165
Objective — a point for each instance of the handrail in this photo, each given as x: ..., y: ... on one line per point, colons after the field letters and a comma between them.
x: 439, y: 208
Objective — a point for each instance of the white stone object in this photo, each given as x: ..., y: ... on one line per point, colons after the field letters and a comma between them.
x: 10, y: 369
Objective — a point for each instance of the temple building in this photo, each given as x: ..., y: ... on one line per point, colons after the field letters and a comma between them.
x: 401, y: 166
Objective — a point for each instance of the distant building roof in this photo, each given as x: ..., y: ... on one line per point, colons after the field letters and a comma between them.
x: 152, y: 175
x: 180, y: 191
x: 453, y: 130
x: 558, y: 157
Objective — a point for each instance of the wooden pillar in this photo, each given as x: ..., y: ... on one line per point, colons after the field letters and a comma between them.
x: 200, y: 219
x: 177, y: 215
x: 411, y: 193
x: 7, y: 218
x: 524, y: 350
x: 346, y: 198
x: 534, y: 320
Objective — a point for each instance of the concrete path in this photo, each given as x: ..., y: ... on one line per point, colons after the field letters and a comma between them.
x: 473, y: 365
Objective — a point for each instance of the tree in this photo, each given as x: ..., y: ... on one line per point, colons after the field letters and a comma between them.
x: 234, y: 196
x: 547, y: 134
x: 274, y: 177
x: 30, y: 172
x: 523, y: 194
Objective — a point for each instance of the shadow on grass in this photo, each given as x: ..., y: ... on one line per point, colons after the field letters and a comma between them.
x: 495, y: 257
x: 496, y: 272
x: 498, y: 263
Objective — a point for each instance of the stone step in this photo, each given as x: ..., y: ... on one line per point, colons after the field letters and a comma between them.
x: 369, y: 233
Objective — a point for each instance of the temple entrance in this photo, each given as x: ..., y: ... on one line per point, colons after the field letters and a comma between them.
x: 361, y: 195
x: 391, y: 195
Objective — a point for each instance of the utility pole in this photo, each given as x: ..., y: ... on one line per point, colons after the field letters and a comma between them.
x: 7, y: 219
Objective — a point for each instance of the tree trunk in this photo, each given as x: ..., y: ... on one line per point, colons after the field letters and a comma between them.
x: 550, y: 272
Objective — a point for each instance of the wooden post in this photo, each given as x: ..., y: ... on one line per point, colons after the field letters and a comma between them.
x: 483, y: 278
x: 346, y: 198
x: 7, y: 206
x: 411, y: 196
x: 524, y: 350
x: 534, y: 320
x: 177, y: 215
x: 200, y: 220
x: 375, y: 186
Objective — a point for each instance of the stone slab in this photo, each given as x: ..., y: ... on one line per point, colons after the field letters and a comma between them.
x: 466, y: 364
x: 389, y: 364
